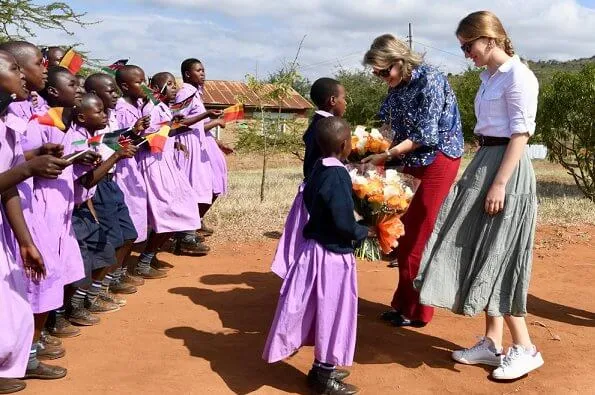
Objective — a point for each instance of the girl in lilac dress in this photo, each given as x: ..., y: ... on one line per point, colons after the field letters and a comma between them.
x: 318, y: 299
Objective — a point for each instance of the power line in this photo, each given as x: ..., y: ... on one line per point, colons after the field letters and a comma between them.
x: 335, y: 59
x: 438, y: 49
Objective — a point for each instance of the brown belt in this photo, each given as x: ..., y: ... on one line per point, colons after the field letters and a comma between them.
x: 490, y: 141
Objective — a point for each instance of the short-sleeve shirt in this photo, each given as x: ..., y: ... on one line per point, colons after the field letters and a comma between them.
x: 506, y: 102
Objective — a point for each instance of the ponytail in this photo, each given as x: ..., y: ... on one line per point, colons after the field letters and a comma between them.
x: 508, y: 48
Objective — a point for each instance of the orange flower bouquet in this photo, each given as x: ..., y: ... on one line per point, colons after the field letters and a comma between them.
x: 381, y: 197
x: 364, y: 143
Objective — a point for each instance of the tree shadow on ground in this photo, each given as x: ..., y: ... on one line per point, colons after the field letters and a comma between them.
x: 247, y: 310
x: 235, y: 357
x: 557, y: 312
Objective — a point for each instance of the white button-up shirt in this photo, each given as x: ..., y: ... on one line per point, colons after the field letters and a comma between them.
x: 506, y: 102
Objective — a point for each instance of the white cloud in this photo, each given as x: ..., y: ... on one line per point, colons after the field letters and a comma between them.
x: 242, y: 33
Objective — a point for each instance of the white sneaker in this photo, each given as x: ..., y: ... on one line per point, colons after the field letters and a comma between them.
x: 484, y: 352
x: 517, y: 363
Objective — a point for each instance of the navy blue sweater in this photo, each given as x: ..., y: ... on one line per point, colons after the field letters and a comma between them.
x: 313, y: 153
x: 329, y: 201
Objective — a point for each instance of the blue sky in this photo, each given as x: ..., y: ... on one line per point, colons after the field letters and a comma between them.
x: 235, y: 37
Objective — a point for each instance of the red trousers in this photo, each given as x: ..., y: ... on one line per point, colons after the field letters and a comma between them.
x: 436, y: 180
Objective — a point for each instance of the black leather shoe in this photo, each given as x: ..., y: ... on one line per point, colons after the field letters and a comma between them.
x: 323, y: 383
x: 9, y: 386
x: 390, y: 315
x: 402, y: 321
x: 337, y: 374
x: 45, y: 372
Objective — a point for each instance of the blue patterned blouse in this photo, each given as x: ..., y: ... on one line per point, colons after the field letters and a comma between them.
x: 425, y: 111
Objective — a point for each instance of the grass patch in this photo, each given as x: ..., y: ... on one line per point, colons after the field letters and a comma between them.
x: 241, y: 216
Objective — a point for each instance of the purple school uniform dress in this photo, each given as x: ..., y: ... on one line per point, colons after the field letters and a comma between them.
x: 16, y: 317
x: 318, y: 300
x: 292, y: 238
x: 128, y: 176
x: 56, y: 202
x: 197, y: 166
x: 26, y: 108
x: 47, y: 294
x: 216, y: 159
x: 172, y: 203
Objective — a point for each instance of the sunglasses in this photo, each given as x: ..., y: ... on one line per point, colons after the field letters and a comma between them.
x: 466, y: 48
x: 384, y: 73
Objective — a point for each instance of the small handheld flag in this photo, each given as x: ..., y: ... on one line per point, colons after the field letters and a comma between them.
x: 114, y: 140
x: 112, y: 68
x: 45, y: 56
x: 72, y: 61
x: 51, y: 118
x: 157, y: 140
x: 179, y: 106
x: 155, y: 97
x: 234, y: 113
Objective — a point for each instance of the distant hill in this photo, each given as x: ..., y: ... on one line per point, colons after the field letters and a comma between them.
x: 544, y: 69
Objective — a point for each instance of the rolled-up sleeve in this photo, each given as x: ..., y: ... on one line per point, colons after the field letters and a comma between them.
x: 521, y: 102
x: 425, y: 118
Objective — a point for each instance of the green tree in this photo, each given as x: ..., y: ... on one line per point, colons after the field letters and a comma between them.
x: 300, y: 83
x: 365, y: 94
x: 465, y: 86
x: 17, y: 17
x: 566, y: 122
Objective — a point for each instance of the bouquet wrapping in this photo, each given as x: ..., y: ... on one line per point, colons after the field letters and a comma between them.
x: 381, y: 197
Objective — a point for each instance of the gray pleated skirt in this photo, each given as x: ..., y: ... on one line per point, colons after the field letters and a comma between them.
x: 474, y: 262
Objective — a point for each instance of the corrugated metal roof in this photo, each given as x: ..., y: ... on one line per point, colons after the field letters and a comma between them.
x: 226, y: 93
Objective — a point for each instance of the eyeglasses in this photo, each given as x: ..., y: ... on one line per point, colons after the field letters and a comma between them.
x: 466, y: 48
x: 384, y: 73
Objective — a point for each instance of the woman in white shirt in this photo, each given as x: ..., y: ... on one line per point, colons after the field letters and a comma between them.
x: 479, y: 255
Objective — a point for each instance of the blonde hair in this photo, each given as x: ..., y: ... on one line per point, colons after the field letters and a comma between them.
x: 485, y: 24
x: 387, y: 50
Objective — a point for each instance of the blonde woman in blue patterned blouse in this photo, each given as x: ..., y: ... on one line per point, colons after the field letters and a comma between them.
x: 421, y: 109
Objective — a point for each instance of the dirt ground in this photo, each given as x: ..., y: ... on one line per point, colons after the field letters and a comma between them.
x: 202, y: 329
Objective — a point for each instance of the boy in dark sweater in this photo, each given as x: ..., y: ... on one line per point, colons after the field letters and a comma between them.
x: 329, y: 96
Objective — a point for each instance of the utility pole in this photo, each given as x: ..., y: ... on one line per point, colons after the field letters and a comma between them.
x: 410, y: 37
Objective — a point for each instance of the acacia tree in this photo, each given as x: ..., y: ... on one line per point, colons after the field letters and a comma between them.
x: 365, y: 94
x: 566, y: 120
x: 17, y: 18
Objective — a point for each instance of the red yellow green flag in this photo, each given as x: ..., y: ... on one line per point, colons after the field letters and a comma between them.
x: 157, y: 140
x: 234, y: 113
x: 72, y: 61
x: 51, y: 118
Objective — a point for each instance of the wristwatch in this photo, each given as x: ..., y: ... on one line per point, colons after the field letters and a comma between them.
x: 388, y: 154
